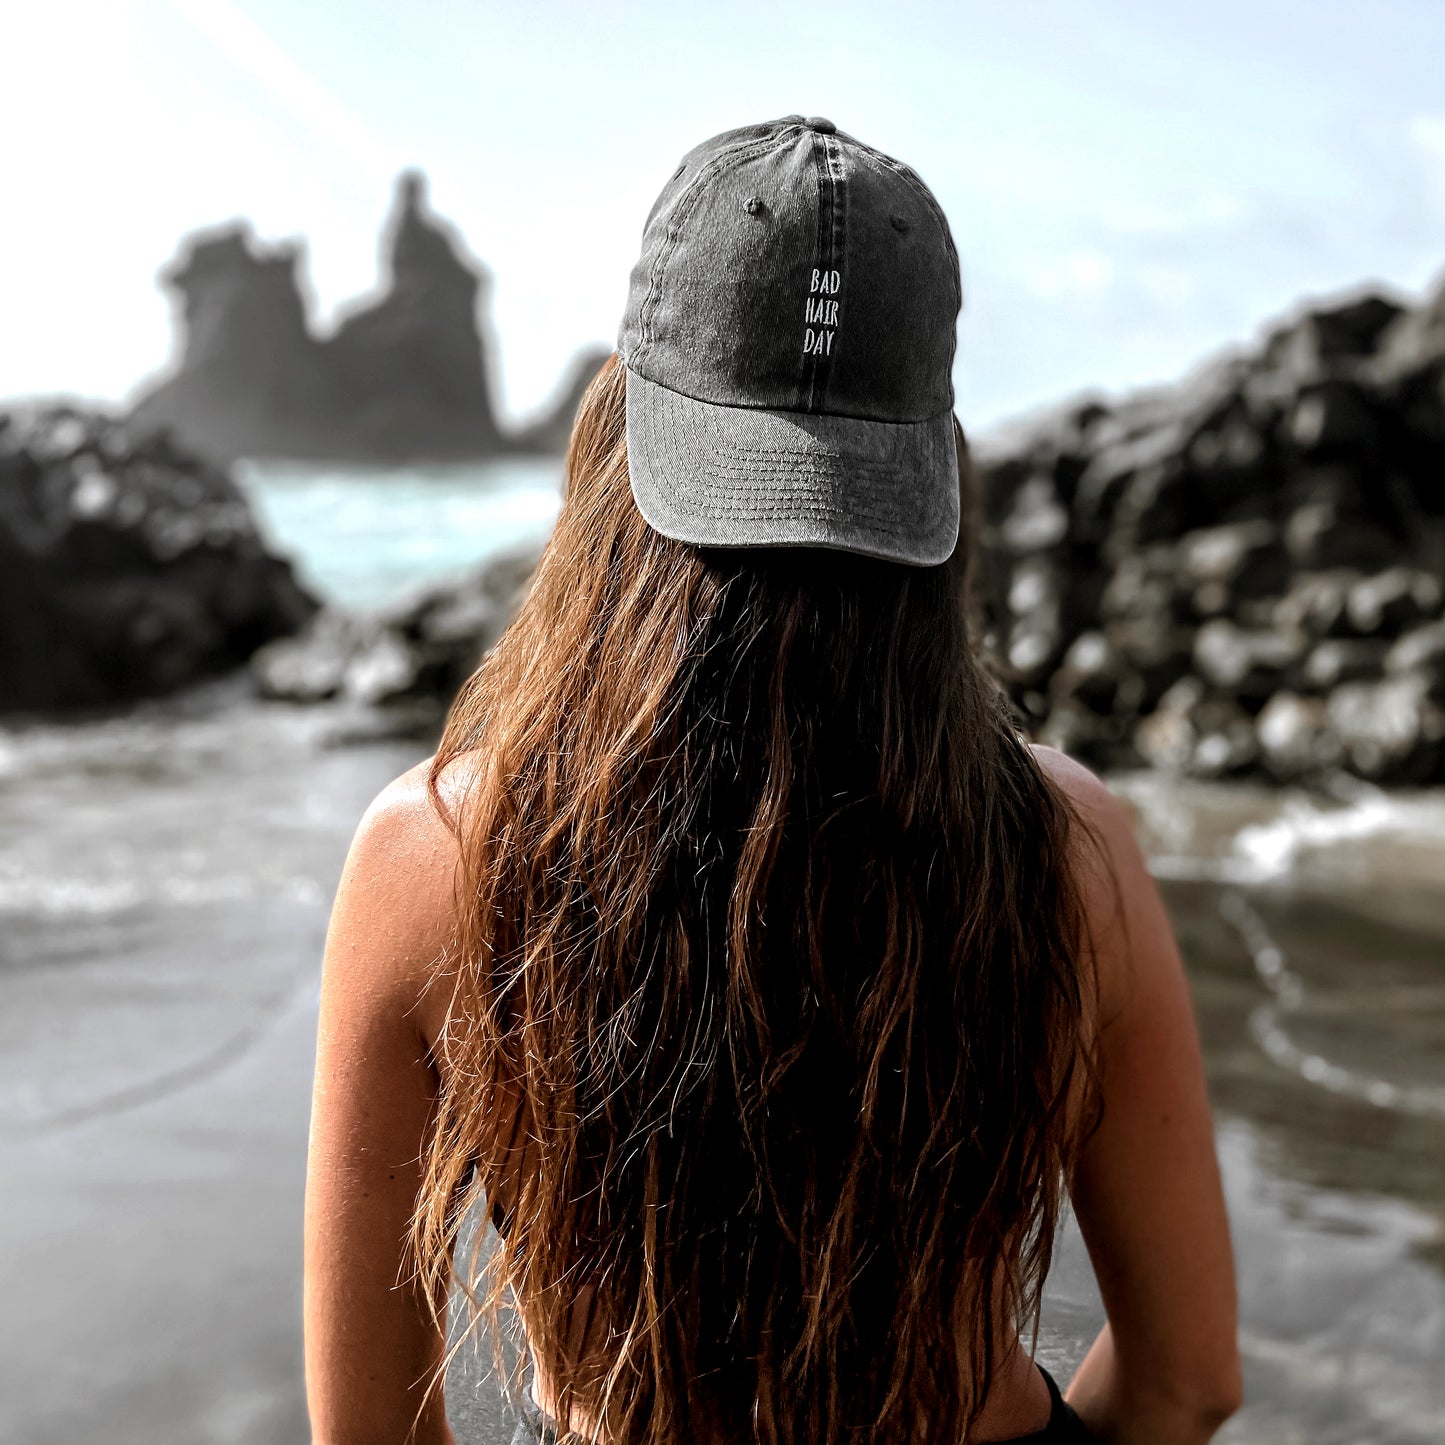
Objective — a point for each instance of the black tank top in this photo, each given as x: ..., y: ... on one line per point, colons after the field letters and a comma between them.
x: 1064, y: 1427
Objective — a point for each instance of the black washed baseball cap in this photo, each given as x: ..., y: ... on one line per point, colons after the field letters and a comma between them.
x: 789, y: 340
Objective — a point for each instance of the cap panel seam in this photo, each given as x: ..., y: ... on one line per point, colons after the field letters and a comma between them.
x: 837, y: 241
x: 717, y: 166
x: 915, y: 182
x: 808, y: 365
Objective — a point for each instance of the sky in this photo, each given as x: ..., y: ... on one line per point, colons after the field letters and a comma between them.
x: 1132, y: 184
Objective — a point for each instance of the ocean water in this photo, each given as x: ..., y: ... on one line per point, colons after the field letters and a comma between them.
x: 165, y: 878
x: 365, y: 538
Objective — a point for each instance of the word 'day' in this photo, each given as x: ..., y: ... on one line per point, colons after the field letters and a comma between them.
x: 821, y: 313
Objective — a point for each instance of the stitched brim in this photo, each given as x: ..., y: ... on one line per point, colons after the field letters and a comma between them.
x: 725, y: 476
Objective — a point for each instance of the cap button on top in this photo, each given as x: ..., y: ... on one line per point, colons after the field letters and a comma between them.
x: 821, y: 124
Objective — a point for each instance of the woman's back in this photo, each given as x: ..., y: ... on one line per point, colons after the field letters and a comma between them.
x: 777, y: 976
x: 1145, y: 1187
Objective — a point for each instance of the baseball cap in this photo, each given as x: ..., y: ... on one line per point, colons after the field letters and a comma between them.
x: 789, y: 339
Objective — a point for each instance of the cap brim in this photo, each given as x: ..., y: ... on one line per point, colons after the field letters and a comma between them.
x: 726, y: 476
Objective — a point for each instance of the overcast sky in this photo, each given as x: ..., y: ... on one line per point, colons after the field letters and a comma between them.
x: 1132, y: 183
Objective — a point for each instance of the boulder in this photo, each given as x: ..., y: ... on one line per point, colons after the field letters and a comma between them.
x: 1410, y: 370
x: 1390, y: 731
x: 1090, y: 673
x: 1324, y: 533
x: 1034, y: 647
x: 1198, y: 734
x: 1333, y: 418
x: 1166, y: 737
x: 1225, y: 565
x: 1074, y: 728
x: 1147, y: 585
x: 1032, y: 652
x: 1294, y: 738
x: 1248, y: 665
x: 1341, y: 659
x: 1325, y: 338
x: 1415, y: 338
x: 1391, y: 601
x: 1315, y: 603
x: 1225, y: 744
x: 1421, y: 650
x: 414, y: 655
x: 1228, y: 448
x: 1153, y: 656
x: 129, y: 567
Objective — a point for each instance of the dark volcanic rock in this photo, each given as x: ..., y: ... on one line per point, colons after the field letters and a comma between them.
x: 411, y: 364
x: 405, y: 377
x: 1388, y: 603
x: 1322, y: 339
x: 1423, y: 651
x: 1243, y: 664
x: 128, y: 567
x: 1244, y: 572
x: 1195, y: 732
x: 1293, y: 739
x: 1238, y: 575
x: 1341, y: 659
x: 250, y: 380
x: 413, y: 656
x: 1391, y: 731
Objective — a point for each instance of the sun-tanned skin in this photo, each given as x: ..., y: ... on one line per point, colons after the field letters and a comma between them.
x: 1164, y: 1370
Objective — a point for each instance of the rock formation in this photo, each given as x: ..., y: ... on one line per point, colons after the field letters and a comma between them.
x: 403, y: 378
x: 1241, y: 573
x: 411, y: 365
x: 128, y: 568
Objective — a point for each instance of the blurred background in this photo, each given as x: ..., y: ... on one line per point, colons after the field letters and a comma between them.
x: 296, y: 303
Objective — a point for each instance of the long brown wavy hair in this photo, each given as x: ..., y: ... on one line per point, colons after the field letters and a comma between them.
x: 767, y: 1003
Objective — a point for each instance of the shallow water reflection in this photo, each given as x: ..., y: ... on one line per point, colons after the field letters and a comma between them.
x: 164, y: 883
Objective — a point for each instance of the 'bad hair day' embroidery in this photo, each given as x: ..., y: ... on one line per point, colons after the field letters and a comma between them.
x: 821, y: 313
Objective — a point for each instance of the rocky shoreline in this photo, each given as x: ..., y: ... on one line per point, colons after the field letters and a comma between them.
x: 1240, y: 574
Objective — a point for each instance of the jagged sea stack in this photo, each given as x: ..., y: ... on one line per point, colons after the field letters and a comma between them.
x: 404, y: 378
x: 412, y: 365
x: 250, y: 379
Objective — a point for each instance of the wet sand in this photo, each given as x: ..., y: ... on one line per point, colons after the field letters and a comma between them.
x: 164, y: 884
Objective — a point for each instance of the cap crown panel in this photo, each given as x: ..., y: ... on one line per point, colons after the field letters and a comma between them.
x: 795, y: 270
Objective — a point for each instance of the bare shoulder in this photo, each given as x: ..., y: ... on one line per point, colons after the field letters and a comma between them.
x: 395, y: 906
x: 402, y: 850
x: 405, y: 842
x: 1088, y: 792
x: 1124, y: 914
x: 1109, y: 852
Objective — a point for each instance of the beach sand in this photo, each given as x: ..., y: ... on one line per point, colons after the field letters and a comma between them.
x: 164, y: 886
